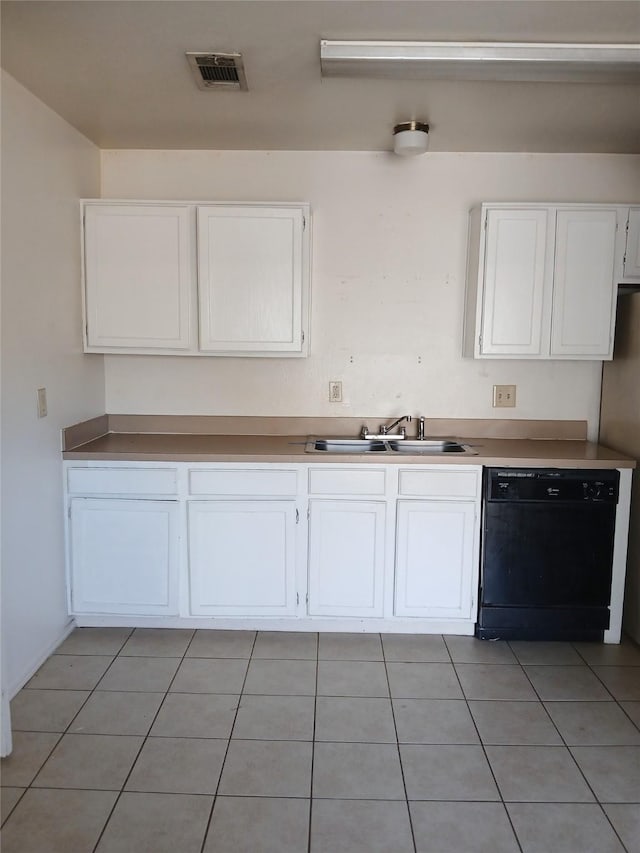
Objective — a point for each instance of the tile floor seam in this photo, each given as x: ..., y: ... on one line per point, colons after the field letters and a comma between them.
x: 627, y: 715
x: 486, y: 758
x: 62, y: 734
x: 144, y: 740
x: 395, y: 727
x: 566, y: 745
x: 226, y: 752
x: 593, y: 672
x: 313, y: 744
x: 446, y: 645
x: 4, y: 818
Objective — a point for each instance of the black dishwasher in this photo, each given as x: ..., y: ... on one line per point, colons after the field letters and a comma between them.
x: 546, y: 553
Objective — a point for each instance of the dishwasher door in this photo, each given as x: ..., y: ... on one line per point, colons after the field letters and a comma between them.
x: 546, y: 562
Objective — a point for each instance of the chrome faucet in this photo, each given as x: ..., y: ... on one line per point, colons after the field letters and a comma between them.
x: 420, y: 435
x: 385, y: 430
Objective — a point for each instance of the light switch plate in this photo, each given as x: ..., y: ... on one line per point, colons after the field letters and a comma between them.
x: 504, y: 396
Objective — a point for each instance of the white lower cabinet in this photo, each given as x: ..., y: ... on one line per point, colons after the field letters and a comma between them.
x: 124, y: 556
x: 242, y: 557
x: 227, y: 544
x: 346, y: 557
x: 435, y: 559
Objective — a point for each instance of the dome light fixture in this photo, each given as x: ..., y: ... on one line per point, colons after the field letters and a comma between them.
x: 410, y: 138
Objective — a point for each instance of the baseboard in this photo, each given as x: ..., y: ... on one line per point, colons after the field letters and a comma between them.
x: 16, y: 686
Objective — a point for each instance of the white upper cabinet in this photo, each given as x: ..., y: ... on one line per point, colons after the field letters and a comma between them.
x: 139, y: 278
x: 542, y: 279
x: 584, y: 290
x: 514, y: 279
x: 252, y: 272
x: 244, y: 291
x: 631, y: 269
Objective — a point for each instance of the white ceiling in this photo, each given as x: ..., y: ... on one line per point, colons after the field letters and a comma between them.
x: 116, y: 70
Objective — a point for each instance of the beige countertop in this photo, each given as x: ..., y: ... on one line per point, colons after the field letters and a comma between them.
x: 173, y: 447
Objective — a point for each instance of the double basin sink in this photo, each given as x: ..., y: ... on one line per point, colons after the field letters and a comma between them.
x: 391, y: 445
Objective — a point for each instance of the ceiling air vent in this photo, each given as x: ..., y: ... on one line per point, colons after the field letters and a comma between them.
x: 218, y: 70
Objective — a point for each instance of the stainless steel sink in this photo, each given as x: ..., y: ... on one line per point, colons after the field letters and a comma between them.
x: 430, y: 446
x: 346, y: 445
x: 425, y: 447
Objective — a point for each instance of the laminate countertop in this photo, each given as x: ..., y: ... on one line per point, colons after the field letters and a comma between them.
x: 177, y: 447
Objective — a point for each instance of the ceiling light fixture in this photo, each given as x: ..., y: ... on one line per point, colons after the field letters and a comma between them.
x: 410, y: 138
x: 510, y: 61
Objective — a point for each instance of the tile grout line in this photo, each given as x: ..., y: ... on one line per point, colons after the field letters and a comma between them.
x: 395, y: 728
x: 144, y: 737
x: 313, y: 743
x: 568, y: 748
x: 226, y: 752
x: 62, y: 734
x: 484, y: 752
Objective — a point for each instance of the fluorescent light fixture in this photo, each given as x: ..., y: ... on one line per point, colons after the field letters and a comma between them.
x: 510, y: 61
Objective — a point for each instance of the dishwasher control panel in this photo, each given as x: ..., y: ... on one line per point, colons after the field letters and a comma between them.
x: 551, y: 484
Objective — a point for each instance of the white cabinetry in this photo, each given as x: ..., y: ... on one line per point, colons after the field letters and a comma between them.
x: 138, y: 278
x: 242, y: 557
x: 434, y: 559
x: 244, y: 292
x: 437, y: 542
x: 274, y: 546
x: 242, y: 541
x: 250, y: 271
x: 346, y: 557
x: 541, y: 281
x: 513, y: 283
x: 123, y: 556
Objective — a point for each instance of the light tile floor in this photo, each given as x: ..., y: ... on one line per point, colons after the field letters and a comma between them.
x: 179, y: 741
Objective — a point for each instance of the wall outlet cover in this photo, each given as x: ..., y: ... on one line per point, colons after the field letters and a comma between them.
x: 335, y: 392
x: 504, y: 396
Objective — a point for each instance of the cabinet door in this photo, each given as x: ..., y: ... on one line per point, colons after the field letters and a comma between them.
x: 514, y: 282
x: 434, y: 559
x: 250, y: 274
x: 242, y: 557
x: 124, y: 556
x: 632, y: 251
x: 584, y: 290
x: 346, y: 558
x: 138, y: 277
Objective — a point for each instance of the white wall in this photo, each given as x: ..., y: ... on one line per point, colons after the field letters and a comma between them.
x: 389, y: 254
x: 46, y: 167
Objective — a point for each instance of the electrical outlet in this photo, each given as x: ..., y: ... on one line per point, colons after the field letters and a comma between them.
x: 42, y: 402
x: 504, y: 396
x: 335, y: 392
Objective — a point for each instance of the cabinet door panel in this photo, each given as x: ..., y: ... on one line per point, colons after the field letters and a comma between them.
x: 250, y: 279
x: 346, y: 558
x: 124, y: 556
x: 434, y: 559
x: 138, y: 277
x: 514, y: 272
x: 584, y: 291
x: 242, y: 557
